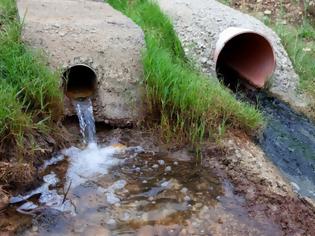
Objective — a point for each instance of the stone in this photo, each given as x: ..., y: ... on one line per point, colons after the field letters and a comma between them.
x: 91, y: 32
x: 267, y: 12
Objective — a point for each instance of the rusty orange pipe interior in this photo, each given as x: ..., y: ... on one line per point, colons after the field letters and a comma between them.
x: 250, y: 56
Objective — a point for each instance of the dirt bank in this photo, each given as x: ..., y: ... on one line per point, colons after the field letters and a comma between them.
x: 266, y: 191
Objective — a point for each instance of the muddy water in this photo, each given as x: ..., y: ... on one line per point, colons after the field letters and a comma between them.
x: 289, y: 141
x: 135, y: 192
x: 130, y: 189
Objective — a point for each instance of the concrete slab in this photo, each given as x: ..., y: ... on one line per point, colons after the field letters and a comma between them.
x: 91, y: 32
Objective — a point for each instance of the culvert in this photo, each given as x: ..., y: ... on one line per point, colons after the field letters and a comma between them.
x: 93, y: 34
x: 199, y: 23
x: 245, y: 55
x: 79, y: 81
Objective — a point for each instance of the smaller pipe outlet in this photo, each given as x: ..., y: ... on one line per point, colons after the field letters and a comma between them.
x: 80, y: 81
x: 244, y: 55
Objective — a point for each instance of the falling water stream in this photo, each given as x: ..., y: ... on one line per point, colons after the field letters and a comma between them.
x: 84, y: 111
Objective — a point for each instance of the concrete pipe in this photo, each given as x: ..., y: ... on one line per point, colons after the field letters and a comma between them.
x: 243, y: 54
x: 79, y: 81
x: 200, y: 25
x: 90, y: 39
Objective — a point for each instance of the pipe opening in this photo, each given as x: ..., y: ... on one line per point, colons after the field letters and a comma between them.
x: 79, y: 81
x: 247, y: 57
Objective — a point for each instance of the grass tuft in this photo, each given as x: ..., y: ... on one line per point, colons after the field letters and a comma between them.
x: 299, y: 41
x: 190, y: 104
x: 30, y: 98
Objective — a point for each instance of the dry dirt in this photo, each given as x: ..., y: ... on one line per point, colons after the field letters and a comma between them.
x: 291, y: 11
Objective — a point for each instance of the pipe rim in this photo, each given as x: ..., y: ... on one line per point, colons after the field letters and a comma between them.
x: 65, y: 79
x: 232, y: 32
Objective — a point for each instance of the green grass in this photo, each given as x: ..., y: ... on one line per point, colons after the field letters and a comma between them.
x: 191, y: 105
x: 30, y: 98
x: 299, y: 42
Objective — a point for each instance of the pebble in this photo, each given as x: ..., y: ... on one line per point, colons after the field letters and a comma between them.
x: 155, y: 166
x: 267, y: 12
x: 34, y: 228
x: 161, y: 162
x: 175, y: 163
x: 168, y: 169
x: 184, y: 190
x: 187, y: 198
x: 111, y: 222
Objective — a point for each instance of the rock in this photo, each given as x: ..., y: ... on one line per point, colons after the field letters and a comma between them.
x: 161, y: 162
x: 267, y: 12
x: 168, y: 169
x: 155, y: 166
x: 91, y: 33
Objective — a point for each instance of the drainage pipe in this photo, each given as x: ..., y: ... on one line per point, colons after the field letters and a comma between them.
x: 99, y: 48
x: 79, y: 81
x: 244, y: 54
x: 249, y: 49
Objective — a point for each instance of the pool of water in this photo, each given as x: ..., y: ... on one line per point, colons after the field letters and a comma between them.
x: 113, y: 189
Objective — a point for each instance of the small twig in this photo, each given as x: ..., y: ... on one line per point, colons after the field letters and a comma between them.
x: 66, y: 193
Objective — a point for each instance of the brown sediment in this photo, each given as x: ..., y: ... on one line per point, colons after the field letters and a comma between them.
x: 265, y: 190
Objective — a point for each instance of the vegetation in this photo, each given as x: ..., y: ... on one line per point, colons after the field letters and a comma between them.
x: 191, y: 105
x: 299, y: 42
x: 30, y: 98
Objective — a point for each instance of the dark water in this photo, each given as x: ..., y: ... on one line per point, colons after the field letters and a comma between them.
x: 289, y: 141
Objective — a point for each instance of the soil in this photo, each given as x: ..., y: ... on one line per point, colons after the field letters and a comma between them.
x: 265, y: 190
x: 291, y: 11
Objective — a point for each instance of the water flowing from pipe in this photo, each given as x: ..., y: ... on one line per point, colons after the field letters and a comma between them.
x: 84, y: 111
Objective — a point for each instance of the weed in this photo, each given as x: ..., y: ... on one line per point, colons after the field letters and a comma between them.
x: 300, y: 45
x: 30, y: 99
x: 190, y: 104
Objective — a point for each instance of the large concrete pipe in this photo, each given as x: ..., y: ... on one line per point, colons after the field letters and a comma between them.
x: 244, y: 54
x: 94, y: 46
x: 250, y: 49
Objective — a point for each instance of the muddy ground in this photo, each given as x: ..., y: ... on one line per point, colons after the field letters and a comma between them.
x: 267, y: 197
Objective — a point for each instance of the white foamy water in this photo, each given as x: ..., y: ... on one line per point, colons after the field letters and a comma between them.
x: 84, y: 111
x: 90, y: 163
x: 48, y: 197
x: 84, y: 165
